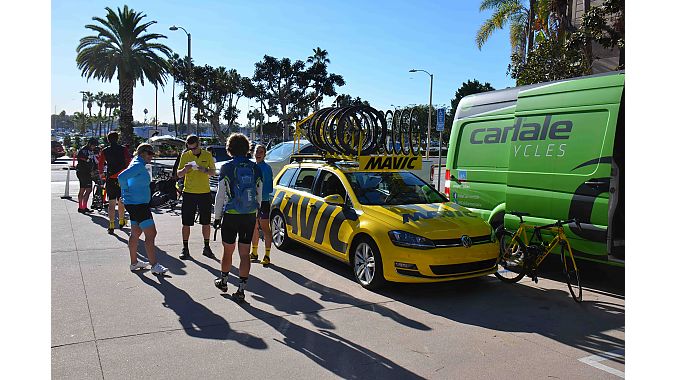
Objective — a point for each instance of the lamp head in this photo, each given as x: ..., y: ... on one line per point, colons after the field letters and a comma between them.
x: 412, y: 71
x: 173, y: 27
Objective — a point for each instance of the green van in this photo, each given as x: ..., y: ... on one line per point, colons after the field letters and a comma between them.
x: 553, y: 150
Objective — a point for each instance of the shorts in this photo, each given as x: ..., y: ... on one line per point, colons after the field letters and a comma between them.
x: 264, y: 211
x: 85, y: 179
x: 191, y: 202
x: 140, y: 215
x: 234, y: 225
x: 113, y: 190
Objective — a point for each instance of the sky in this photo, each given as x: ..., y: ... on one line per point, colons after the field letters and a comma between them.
x: 372, y: 44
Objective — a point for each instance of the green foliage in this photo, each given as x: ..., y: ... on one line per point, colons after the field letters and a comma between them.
x: 468, y: 87
x: 560, y: 52
x: 121, y: 48
x: 67, y: 141
x: 344, y: 100
x: 548, y: 61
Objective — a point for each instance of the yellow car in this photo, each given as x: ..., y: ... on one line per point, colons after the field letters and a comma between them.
x: 388, y: 225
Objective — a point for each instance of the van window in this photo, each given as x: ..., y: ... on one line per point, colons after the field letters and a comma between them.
x: 305, y: 179
x: 480, y: 144
x: 285, y: 179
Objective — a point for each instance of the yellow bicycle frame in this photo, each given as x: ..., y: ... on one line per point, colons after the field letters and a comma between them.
x: 560, y: 236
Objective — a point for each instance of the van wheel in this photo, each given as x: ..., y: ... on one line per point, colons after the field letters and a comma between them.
x: 367, y: 264
x: 280, y: 238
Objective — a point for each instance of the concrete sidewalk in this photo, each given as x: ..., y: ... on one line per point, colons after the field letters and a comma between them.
x: 306, y: 318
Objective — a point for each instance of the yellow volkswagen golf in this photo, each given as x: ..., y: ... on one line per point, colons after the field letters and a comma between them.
x: 387, y: 225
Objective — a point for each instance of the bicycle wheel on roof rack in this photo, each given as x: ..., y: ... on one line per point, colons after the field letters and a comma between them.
x: 370, y: 122
x: 404, y: 131
x: 415, y: 137
x: 386, y: 147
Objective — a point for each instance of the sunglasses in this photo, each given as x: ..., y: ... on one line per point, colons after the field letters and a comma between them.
x: 150, y: 152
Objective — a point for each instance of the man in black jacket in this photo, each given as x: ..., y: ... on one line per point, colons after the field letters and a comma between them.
x: 115, y: 158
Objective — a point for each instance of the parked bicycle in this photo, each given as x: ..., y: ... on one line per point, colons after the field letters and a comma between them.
x: 520, y: 256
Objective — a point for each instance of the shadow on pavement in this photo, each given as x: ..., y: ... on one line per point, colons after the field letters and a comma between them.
x: 197, y: 320
x: 489, y: 303
x: 335, y: 296
x: 334, y: 353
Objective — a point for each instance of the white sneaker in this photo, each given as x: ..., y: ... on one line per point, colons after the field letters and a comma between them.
x: 140, y: 264
x: 159, y: 269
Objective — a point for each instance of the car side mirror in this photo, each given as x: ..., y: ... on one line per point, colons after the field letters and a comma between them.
x: 335, y: 199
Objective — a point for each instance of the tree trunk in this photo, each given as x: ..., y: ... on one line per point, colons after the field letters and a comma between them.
x: 531, y: 21
x: 222, y: 138
x: 126, y: 107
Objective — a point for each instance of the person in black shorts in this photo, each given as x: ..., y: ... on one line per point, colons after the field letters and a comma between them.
x: 114, y: 158
x: 135, y: 186
x: 195, y: 166
x: 237, y: 201
x: 85, y: 165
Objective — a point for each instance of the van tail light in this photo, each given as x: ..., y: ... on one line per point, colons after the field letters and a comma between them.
x: 447, y: 183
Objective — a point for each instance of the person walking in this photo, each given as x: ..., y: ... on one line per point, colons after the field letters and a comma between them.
x: 114, y: 158
x: 196, y: 165
x: 83, y: 170
x: 135, y: 188
x: 263, y: 217
x: 237, y: 201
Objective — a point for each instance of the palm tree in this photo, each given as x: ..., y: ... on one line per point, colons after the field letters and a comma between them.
x: 319, y: 56
x: 98, y: 98
x: 512, y: 12
x: 123, y: 46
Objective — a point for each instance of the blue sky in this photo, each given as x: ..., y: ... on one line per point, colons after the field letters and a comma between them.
x: 372, y: 44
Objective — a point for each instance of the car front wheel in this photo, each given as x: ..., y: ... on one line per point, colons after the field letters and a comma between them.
x: 367, y: 265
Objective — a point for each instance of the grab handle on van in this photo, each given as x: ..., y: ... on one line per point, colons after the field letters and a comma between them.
x: 598, y: 184
x: 453, y: 178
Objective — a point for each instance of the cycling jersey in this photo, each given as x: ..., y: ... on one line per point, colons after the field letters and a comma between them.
x: 116, y: 157
x: 197, y: 182
x: 266, y: 171
x: 135, y: 182
x: 85, y: 160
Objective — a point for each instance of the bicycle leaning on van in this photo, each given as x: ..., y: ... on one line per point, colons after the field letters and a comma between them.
x: 520, y: 256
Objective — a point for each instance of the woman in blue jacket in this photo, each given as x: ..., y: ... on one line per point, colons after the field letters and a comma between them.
x: 135, y: 185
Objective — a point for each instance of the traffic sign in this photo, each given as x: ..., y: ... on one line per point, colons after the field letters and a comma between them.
x: 441, y: 116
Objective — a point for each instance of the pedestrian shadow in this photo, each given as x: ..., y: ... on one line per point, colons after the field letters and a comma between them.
x: 339, y: 297
x: 196, y: 319
x: 103, y: 222
x: 344, y: 358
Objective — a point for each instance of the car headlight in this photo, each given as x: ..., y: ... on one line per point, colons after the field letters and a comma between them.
x: 409, y: 240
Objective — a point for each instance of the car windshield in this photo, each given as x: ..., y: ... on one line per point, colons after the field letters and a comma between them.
x: 392, y: 188
x: 280, y: 152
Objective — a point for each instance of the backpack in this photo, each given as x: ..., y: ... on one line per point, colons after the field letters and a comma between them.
x: 244, y: 189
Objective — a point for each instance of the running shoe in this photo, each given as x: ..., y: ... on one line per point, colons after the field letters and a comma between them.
x: 139, y: 265
x: 266, y: 261
x: 185, y: 254
x: 222, y: 284
x: 159, y: 269
x: 238, y: 296
x: 207, y: 252
x: 254, y: 258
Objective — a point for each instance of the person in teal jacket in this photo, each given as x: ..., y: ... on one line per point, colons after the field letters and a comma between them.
x: 135, y: 185
x: 263, y: 217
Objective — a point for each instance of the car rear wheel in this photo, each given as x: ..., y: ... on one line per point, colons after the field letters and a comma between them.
x: 279, y: 236
x: 367, y: 265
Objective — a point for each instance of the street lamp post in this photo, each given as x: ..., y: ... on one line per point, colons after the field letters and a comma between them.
x: 174, y: 28
x: 429, y: 115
